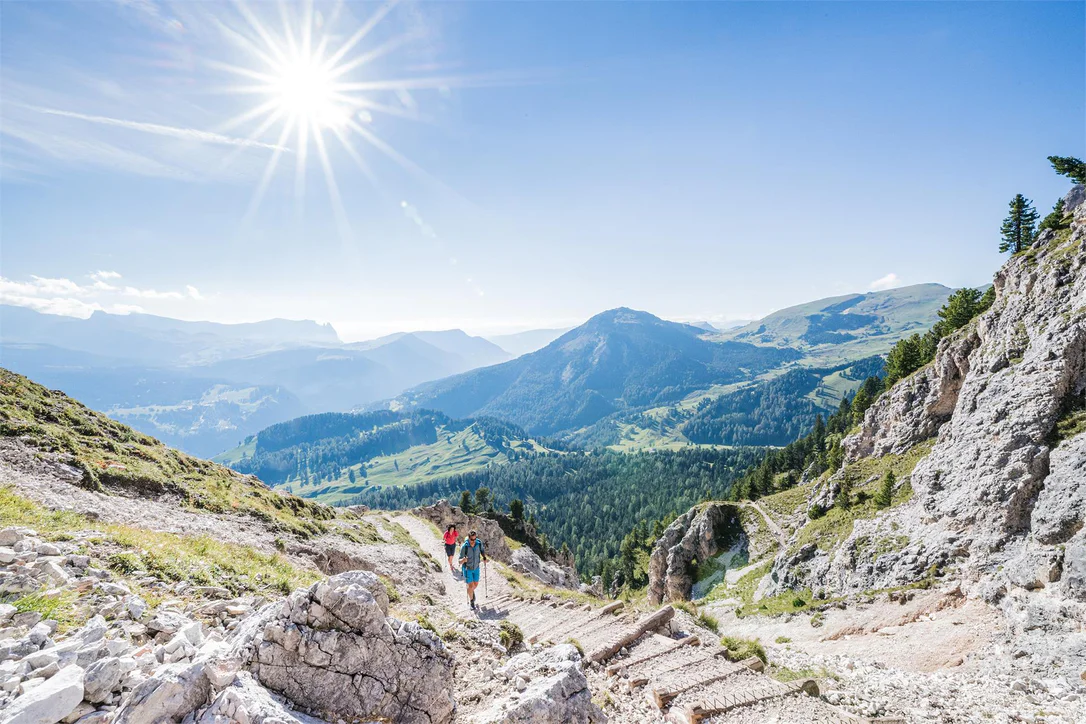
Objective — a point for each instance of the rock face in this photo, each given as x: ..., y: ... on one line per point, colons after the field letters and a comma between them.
x: 1001, y: 498
x: 526, y: 561
x: 697, y: 537
x: 332, y: 649
x: 48, y: 702
x: 551, y: 689
x: 915, y: 408
x: 442, y: 514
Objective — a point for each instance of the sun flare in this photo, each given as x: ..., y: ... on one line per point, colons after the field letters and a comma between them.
x: 305, y: 90
x: 304, y: 80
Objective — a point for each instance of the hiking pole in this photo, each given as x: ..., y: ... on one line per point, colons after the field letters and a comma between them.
x: 486, y: 589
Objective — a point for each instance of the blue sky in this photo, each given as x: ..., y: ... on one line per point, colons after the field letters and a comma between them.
x: 700, y: 161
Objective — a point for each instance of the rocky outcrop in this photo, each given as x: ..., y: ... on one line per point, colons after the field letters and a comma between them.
x: 332, y: 649
x: 1000, y: 500
x: 550, y: 573
x: 442, y: 514
x: 551, y: 688
x: 697, y: 537
x: 914, y: 409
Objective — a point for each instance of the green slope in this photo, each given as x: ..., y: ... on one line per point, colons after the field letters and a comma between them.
x: 114, y: 457
x: 334, y: 457
x: 837, y: 329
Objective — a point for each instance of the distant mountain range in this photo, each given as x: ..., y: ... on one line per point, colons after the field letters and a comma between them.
x: 618, y: 359
x: 624, y: 362
x: 203, y: 386
x: 625, y: 378
x: 525, y: 342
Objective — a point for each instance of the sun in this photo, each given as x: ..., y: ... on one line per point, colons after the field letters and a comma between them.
x: 304, y: 77
x: 305, y: 90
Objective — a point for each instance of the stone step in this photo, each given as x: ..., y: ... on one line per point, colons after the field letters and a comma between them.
x: 670, y: 660
x: 723, y: 696
x: 577, y: 619
x: 625, y: 635
x: 556, y: 631
x: 531, y: 616
x: 680, y: 661
x: 574, y: 612
x: 648, y: 651
x: 595, y: 633
x: 517, y: 604
x: 661, y: 691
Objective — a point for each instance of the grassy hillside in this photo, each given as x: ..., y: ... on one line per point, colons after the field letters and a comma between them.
x: 112, y: 455
x: 455, y: 452
x: 772, y: 410
x: 336, y: 456
x: 832, y: 330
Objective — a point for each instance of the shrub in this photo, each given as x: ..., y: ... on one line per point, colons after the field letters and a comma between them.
x: 124, y: 563
x: 390, y: 589
x: 706, y: 621
x: 510, y: 635
x: 783, y: 640
x: 740, y: 648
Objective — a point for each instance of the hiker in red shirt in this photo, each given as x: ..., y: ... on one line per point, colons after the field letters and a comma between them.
x: 450, y: 543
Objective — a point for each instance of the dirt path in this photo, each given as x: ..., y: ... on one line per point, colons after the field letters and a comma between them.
x: 455, y: 592
x: 782, y: 538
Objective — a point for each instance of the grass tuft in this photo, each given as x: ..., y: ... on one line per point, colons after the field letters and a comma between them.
x: 510, y: 635
x: 740, y: 648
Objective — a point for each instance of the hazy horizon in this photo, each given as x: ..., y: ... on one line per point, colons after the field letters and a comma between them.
x: 505, y: 167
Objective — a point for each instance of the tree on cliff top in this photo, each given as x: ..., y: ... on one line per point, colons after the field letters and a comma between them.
x: 1071, y: 167
x: 1020, y: 227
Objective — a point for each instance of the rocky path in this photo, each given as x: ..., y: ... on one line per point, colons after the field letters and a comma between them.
x: 681, y: 680
x: 455, y: 597
x: 782, y: 537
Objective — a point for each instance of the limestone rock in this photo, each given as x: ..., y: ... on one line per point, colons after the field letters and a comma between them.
x: 171, y: 694
x: 246, y: 701
x: 551, y: 689
x: 50, y: 701
x: 701, y: 534
x: 104, y: 677
x: 332, y: 649
x: 999, y: 500
x: 525, y: 560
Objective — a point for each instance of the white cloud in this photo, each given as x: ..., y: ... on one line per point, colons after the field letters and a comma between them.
x: 150, y: 293
x: 889, y: 281
x: 188, y: 134
x: 55, y: 295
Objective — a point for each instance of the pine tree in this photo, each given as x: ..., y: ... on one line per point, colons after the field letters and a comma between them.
x: 885, y: 494
x: 1020, y: 227
x: 465, y: 502
x: 482, y: 498
x: 905, y: 358
x: 844, y: 492
x: 1054, y: 219
x: 958, y: 310
x: 860, y: 403
x: 1071, y: 167
x: 819, y: 434
x: 516, y: 509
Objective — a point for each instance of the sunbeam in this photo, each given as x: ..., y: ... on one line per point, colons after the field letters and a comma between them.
x: 303, y: 78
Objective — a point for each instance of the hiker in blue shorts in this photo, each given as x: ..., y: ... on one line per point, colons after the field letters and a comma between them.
x: 470, y: 553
